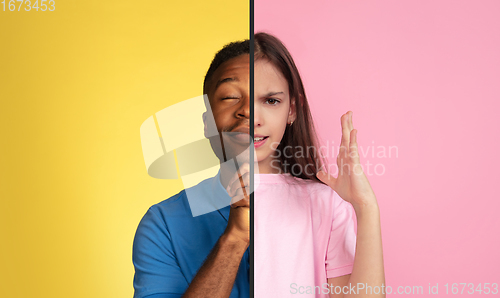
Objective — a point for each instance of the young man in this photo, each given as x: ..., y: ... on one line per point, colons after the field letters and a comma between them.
x: 178, y: 255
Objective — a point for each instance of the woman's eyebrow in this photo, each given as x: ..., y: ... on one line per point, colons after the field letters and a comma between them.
x: 273, y: 93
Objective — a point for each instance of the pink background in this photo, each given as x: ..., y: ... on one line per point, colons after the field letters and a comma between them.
x: 423, y: 76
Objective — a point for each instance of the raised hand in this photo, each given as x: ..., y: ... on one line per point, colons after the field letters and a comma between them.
x: 351, y: 183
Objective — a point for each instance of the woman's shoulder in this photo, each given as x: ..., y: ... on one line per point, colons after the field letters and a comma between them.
x: 321, y: 198
x: 317, y: 189
x: 297, y: 186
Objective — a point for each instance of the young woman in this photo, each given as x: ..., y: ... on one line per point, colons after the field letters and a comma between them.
x: 305, y: 220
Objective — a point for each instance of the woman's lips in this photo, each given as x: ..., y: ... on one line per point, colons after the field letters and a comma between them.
x: 259, y: 143
x: 244, y: 138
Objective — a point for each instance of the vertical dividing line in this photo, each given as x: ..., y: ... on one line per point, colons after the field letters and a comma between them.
x: 252, y: 148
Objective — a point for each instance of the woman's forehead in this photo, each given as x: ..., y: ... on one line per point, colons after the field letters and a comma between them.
x: 267, y: 75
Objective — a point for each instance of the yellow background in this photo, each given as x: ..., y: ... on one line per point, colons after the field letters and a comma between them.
x: 75, y: 86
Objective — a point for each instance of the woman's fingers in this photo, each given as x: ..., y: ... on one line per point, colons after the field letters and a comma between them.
x: 350, y: 113
x: 348, y: 158
x: 354, y: 154
x: 344, y: 143
x: 343, y: 156
x: 353, y: 148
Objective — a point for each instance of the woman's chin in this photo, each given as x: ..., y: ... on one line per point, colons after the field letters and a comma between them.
x: 260, y: 158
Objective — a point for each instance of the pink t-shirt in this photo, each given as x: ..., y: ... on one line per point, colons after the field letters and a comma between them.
x: 304, y: 233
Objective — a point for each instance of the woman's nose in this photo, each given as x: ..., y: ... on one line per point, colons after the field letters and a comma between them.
x: 257, y: 119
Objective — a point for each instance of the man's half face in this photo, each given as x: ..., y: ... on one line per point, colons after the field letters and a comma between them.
x: 229, y: 95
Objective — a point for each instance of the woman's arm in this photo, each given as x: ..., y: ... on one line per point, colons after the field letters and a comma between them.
x: 367, y: 277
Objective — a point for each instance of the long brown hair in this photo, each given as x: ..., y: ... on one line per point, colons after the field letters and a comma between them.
x: 301, y: 135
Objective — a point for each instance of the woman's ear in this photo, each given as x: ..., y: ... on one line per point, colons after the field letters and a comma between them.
x: 292, y: 112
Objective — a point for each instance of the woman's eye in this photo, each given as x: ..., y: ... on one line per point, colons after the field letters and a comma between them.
x: 272, y: 101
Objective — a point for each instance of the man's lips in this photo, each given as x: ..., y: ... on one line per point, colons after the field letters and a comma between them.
x: 241, y: 136
x: 242, y: 129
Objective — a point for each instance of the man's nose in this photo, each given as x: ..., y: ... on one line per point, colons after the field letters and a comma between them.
x: 244, y: 108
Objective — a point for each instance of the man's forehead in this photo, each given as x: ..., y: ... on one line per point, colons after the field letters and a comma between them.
x: 235, y: 65
x: 232, y: 71
x: 235, y: 70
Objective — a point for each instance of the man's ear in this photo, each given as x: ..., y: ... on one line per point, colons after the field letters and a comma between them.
x: 292, y: 115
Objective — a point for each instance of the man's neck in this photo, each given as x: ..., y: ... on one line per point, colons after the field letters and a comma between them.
x: 227, y: 171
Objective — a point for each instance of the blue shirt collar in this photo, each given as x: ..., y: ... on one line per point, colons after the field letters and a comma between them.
x: 209, y: 196
x: 219, y: 190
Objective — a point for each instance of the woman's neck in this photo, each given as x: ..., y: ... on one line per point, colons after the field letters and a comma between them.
x: 227, y: 170
x: 269, y: 168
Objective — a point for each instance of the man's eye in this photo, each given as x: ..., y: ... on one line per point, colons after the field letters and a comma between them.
x: 272, y: 101
x: 230, y: 97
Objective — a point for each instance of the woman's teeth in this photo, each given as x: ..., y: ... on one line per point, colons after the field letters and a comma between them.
x: 255, y: 140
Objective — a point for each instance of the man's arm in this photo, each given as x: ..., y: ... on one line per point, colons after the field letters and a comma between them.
x: 216, y: 277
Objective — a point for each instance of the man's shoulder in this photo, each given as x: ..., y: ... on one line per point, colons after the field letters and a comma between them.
x: 171, y: 201
x: 175, y: 206
x: 179, y: 204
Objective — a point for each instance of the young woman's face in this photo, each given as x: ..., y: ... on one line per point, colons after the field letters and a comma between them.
x: 273, y: 112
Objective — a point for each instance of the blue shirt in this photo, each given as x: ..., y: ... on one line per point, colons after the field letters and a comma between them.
x: 171, y: 245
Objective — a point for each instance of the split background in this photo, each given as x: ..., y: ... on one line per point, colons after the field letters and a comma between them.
x: 77, y: 83
x: 422, y: 76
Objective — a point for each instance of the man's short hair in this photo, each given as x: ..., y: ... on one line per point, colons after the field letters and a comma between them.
x: 229, y: 51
